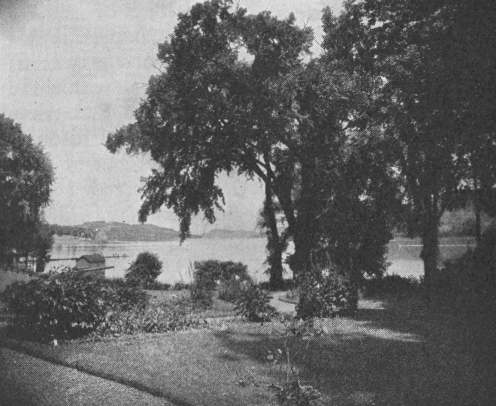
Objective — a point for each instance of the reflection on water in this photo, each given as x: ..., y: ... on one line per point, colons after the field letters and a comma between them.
x: 403, y: 255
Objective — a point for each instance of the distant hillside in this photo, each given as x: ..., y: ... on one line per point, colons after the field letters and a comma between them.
x: 226, y: 234
x: 114, y: 231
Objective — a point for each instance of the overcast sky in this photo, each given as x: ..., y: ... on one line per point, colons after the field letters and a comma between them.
x: 71, y: 71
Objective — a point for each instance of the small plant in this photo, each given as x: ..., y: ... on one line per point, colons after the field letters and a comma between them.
x: 296, y: 337
x: 295, y: 394
x: 202, y: 296
x: 144, y: 270
x: 253, y: 304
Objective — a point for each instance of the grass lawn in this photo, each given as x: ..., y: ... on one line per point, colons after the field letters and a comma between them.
x: 391, y: 353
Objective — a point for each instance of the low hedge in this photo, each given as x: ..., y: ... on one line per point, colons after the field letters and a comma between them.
x: 68, y: 304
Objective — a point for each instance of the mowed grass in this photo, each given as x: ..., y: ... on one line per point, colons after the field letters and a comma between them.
x: 393, y: 352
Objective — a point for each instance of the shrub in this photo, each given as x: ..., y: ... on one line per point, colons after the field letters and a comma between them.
x: 231, y: 289
x: 326, y: 294
x: 211, y: 274
x: 172, y: 316
x: 156, y: 285
x: 474, y: 273
x: 68, y: 304
x: 286, y: 285
x: 127, y: 297
x: 144, y: 269
x: 181, y: 286
x: 253, y: 303
x: 395, y: 285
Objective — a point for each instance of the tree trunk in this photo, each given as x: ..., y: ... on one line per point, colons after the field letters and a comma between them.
x: 305, y: 232
x: 274, y: 244
x: 478, y: 212
x: 430, y: 249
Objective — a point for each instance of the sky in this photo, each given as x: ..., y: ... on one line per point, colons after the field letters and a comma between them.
x: 72, y: 71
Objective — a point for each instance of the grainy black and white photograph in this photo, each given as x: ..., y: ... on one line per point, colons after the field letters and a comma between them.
x: 253, y: 202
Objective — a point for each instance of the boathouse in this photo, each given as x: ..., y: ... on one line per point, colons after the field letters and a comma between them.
x: 90, y: 261
x: 93, y: 264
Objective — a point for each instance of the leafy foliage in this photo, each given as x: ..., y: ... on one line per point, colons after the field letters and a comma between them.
x: 324, y: 293
x: 144, y: 269
x: 473, y: 274
x: 212, y: 274
x: 68, y: 304
x: 175, y: 315
x: 230, y: 289
x: 253, y: 304
x: 443, y: 137
x: 275, y: 117
x: 394, y: 285
x: 26, y: 176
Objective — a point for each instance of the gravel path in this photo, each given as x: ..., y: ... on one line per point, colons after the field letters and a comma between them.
x: 29, y: 381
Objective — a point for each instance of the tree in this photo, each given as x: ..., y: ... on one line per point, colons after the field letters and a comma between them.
x: 26, y: 176
x: 273, y: 116
x: 277, y: 242
x: 425, y: 100
x: 144, y: 270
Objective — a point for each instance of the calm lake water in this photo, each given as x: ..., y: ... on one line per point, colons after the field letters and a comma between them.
x: 403, y: 254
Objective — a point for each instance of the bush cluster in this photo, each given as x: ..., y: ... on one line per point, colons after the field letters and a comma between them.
x: 225, y: 276
x: 394, y: 285
x: 68, y: 304
x: 144, y: 270
x: 173, y: 316
x: 473, y: 274
x: 253, y: 304
x: 324, y: 293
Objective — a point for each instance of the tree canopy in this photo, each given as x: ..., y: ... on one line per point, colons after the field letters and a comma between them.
x: 435, y: 65
x: 26, y: 176
x: 237, y: 94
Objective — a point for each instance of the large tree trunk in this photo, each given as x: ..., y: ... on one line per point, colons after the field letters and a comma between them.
x: 430, y: 231
x: 306, y: 230
x: 275, y: 246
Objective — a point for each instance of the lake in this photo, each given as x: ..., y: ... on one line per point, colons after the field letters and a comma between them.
x: 403, y: 254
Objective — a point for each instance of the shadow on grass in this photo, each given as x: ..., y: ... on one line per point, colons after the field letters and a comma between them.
x: 391, y: 353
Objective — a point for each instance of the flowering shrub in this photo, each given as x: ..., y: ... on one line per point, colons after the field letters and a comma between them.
x: 253, y: 303
x: 173, y: 316
x: 325, y: 294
